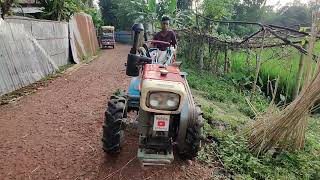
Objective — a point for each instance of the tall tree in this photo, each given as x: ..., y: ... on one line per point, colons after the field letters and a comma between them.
x: 294, y: 15
x: 250, y: 10
x: 166, y: 7
x: 291, y: 14
x: 218, y: 9
x: 108, y: 11
x: 63, y: 9
x: 122, y: 13
x: 184, y: 4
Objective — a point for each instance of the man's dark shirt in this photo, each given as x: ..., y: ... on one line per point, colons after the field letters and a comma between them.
x: 167, y: 36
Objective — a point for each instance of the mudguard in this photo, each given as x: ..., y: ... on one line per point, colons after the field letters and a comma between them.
x: 188, y: 116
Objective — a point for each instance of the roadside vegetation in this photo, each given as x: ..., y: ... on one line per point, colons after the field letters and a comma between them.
x: 282, y: 63
x: 57, y: 10
x: 226, y: 114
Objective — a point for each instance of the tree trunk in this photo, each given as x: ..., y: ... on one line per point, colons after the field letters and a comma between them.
x: 59, y: 16
x: 248, y: 60
x: 211, y: 57
x: 230, y: 60
x: 201, y: 59
x: 216, y: 63
x: 201, y: 55
x: 2, y: 10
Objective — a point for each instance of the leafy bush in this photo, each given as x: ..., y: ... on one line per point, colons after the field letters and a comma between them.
x: 239, y: 160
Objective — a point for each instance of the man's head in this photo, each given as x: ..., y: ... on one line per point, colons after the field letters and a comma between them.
x: 165, y: 23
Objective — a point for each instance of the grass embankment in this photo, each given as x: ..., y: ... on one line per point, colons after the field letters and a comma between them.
x: 227, y: 113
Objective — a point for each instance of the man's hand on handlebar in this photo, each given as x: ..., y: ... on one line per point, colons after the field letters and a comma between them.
x: 158, y: 42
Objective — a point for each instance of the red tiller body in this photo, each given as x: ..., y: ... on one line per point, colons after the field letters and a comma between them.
x: 152, y: 71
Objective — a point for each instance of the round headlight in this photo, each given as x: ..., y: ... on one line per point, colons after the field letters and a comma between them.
x: 171, y: 103
x: 154, y: 102
x: 164, y: 101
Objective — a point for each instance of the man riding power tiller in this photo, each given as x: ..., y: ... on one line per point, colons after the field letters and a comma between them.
x: 165, y: 35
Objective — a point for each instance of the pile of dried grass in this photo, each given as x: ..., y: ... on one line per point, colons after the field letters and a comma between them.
x: 285, y: 129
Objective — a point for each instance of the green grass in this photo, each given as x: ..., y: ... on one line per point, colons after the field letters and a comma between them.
x: 227, y: 113
x: 222, y: 90
x: 282, y: 62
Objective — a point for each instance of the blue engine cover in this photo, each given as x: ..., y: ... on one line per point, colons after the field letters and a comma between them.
x: 134, y: 87
x: 134, y: 93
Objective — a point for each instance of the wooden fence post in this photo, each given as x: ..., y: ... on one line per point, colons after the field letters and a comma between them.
x: 225, y: 60
x: 201, y: 51
x: 299, y: 75
x: 216, y: 63
x: 258, y: 63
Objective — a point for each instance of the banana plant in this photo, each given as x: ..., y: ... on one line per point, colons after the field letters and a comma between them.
x: 167, y: 7
x: 60, y: 9
x: 149, y: 11
x: 141, y: 11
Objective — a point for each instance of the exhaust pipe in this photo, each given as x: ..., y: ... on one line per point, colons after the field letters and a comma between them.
x: 132, y: 60
x: 137, y: 28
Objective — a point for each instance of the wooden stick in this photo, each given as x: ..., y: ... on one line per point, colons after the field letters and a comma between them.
x: 258, y: 64
x: 299, y: 75
x: 274, y: 94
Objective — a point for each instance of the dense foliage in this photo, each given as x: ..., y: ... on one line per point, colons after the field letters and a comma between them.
x: 123, y: 13
x: 59, y: 10
x: 64, y: 9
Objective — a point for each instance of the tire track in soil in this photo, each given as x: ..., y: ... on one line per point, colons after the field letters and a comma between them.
x: 55, y: 133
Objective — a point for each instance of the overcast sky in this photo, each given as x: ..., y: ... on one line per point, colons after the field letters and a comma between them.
x: 283, y: 2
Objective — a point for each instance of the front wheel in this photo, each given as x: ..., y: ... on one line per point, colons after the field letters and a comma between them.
x: 193, y: 138
x: 113, y: 127
x: 193, y: 141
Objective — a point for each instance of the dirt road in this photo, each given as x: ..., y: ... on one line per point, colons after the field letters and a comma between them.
x: 55, y: 133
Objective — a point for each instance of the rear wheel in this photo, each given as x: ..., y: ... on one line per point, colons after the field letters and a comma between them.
x: 114, y: 124
x: 193, y: 138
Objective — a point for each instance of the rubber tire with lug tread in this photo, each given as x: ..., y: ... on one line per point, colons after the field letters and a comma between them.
x: 193, y: 139
x: 114, y: 125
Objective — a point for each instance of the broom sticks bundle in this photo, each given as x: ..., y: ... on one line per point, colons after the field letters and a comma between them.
x: 285, y: 129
